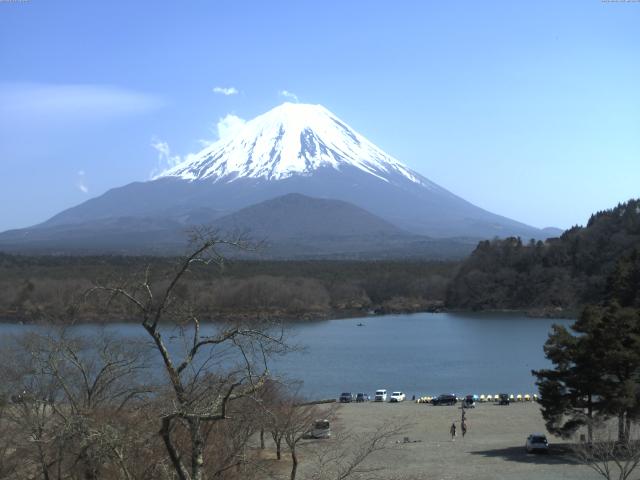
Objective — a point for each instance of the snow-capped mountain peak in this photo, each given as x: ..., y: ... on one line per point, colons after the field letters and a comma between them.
x: 291, y: 139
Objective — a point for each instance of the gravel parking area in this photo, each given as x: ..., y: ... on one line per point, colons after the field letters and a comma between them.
x: 493, y: 447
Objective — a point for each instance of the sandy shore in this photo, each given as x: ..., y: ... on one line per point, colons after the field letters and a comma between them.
x: 492, y: 449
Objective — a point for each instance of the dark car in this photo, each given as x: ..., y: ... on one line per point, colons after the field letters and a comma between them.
x: 469, y: 402
x: 346, y: 397
x: 362, y: 397
x: 503, y: 399
x: 445, y: 399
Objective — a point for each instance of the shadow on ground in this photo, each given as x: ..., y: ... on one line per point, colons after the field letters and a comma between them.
x: 559, y: 454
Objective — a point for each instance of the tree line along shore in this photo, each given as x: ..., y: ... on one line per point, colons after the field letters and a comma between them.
x: 48, y: 288
x: 557, y: 277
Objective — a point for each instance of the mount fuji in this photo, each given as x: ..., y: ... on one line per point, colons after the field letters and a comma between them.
x: 292, y: 149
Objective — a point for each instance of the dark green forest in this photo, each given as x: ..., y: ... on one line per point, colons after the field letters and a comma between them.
x: 557, y: 276
x: 50, y: 288
x: 596, y: 361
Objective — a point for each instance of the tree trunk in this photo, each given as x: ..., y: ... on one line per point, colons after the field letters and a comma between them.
x: 294, y: 463
x: 590, y: 423
x: 627, y: 432
x: 197, y: 450
x: 262, y: 439
x: 278, y: 450
x: 176, y: 461
x: 90, y: 467
x: 43, y: 462
x: 621, y: 427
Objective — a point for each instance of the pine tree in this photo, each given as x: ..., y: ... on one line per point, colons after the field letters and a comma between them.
x: 596, y: 372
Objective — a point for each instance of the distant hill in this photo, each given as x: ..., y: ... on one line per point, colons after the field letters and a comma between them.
x: 562, y: 273
x: 292, y: 226
x: 296, y: 216
x: 298, y: 226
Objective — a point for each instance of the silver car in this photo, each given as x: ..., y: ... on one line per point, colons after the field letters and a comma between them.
x: 536, y: 442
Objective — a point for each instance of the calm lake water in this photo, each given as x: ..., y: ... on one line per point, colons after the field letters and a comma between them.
x: 420, y: 354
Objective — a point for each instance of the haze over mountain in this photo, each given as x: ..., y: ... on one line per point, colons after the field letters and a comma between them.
x: 294, y: 148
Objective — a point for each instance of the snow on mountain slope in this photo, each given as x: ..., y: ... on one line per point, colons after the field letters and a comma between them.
x: 292, y: 139
x: 292, y: 149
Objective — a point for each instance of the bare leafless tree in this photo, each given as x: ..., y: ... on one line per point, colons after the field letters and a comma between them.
x: 347, y: 455
x: 300, y: 419
x: 607, y: 455
x: 211, y: 371
x: 68, y: 396
x: 9, y: 459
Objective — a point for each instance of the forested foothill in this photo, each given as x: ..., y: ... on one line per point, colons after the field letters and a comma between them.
x: 43, y: 288
x: 593, y: 387
x: 555, y: 277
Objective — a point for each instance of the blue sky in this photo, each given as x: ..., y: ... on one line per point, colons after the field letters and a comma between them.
x: 528, y: 109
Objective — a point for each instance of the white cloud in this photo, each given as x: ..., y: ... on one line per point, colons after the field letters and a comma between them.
x: 29, y: 102
x: 288, y: 94
x: 226, y: 90
x: 229, y: 125
x: 81, y: 182
x: 226, y: 127
x: 165, y: 159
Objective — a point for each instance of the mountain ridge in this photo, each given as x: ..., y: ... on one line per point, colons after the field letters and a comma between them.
x: 292, y: 226
x: 294, y: 148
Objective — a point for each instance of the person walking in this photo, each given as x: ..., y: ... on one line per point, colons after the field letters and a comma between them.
x: 452, y: 431
x: 463, y: 428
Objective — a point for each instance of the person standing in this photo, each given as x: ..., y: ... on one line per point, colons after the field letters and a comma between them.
x: 463, y: 422
x: 452, y: 431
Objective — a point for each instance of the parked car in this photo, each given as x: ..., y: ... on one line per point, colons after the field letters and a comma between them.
x: 381, y: 395
x: 503, y: 399
x: 346, y: 397
x: 536, y: 442
x: 362, y: 397
x: 397, y: 397
x: 445, y: 399
x: 320, y: 429
x: 469, y: 402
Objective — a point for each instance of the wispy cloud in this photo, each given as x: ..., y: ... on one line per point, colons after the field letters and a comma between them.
x: 81, y: 182
x: 165, y: 159
x: 226, y: 90
x: 71, y: 102
x: 288, y: 94
x: 225, y: 127
x: 229, y: 125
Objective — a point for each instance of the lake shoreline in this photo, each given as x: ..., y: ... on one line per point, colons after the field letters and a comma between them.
x: 421, y: 353
x: 402, y: 307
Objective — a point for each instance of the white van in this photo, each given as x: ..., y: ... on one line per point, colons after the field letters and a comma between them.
x: 321, y: 429
x: 381, y: 396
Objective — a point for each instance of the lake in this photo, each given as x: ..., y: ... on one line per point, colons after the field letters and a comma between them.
x: 424, y: 353
x: 420, y: 354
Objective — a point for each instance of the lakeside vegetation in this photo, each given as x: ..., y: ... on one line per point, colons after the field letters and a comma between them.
x: 553, y: 277
x: 48, y: 287
x: 595, y: 378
